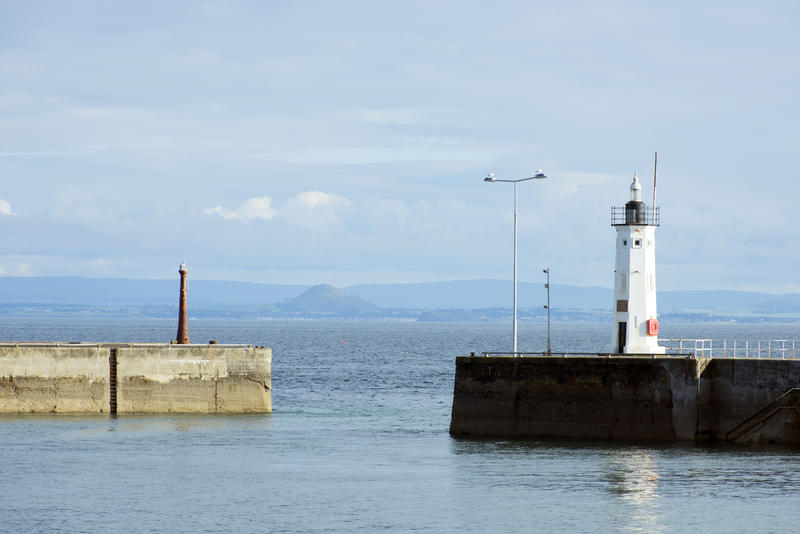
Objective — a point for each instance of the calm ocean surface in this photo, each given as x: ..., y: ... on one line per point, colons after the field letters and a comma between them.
x: 358, y: 442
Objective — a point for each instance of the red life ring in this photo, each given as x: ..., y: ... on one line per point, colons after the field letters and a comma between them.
x: 652, y: 327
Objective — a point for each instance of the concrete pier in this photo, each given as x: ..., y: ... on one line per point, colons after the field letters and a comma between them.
x: 134, y: 378
x: 628, y: 397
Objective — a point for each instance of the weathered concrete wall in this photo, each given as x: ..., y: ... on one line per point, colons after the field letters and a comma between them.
x: 193, y: 378
x: 587, y: 398
x: 739, y: 388
x: 626, y: 398
x: 150, y: 378
x: 43, y: 378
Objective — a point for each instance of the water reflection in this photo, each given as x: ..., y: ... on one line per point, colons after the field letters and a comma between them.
x: 632, y: 476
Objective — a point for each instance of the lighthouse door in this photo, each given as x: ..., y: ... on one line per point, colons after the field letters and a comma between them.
x: 622, y: 331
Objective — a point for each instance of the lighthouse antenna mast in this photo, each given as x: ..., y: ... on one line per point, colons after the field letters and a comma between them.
x: 655, y: 172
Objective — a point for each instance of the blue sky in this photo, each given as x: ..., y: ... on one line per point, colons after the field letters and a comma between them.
x: 346, y: 142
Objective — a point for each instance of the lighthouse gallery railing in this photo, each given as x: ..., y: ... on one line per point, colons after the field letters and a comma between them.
x: 644, y: 215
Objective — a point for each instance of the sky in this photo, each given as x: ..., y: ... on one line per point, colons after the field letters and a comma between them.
x: 346, y: 142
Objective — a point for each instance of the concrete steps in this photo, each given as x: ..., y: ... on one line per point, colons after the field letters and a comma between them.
x: 743, y: 432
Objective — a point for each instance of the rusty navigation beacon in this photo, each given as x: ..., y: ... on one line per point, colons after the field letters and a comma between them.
x: 183, y: 326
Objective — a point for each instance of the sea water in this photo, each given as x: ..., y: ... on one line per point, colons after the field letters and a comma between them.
x: 358, y: 442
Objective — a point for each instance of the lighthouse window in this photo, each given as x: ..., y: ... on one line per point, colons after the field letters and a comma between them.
x: 637, y: 242
x: 624, y: 242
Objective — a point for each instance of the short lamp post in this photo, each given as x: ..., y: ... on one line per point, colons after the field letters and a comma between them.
x: 547, y: 286
x: 490, y: 178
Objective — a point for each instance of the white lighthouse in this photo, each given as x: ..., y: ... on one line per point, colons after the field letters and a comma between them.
x: 635, y: 314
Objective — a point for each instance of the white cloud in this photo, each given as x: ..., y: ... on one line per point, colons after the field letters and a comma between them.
x: 315, y: 210
x: 222, y: 212
x: 257, y: 208
x: 317, y: 199
x: 312, y: 210
x: 5, y: 207
x: 253, y: 208
x: 16, y: 269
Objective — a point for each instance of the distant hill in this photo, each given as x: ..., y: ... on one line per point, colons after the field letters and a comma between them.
x: 326, y: 299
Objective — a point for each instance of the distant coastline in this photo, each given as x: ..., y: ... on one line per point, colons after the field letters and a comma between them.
x: 456, y: 301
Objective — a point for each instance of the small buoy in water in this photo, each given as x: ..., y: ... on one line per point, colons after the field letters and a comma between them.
x: 342, y: 341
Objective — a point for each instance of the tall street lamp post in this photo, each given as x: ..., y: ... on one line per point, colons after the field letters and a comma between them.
x: 490, y: 178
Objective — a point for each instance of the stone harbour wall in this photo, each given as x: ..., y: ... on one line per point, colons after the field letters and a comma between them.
x: 40, y: 378
x: 193, y: 378
x: 629, y: 398
x: 134, y: 378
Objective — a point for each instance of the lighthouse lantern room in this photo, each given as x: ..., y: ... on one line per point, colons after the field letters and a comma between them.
x: 635, y: 315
